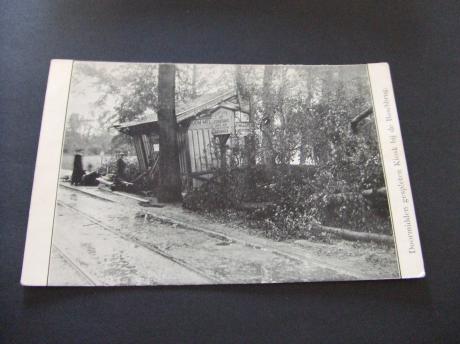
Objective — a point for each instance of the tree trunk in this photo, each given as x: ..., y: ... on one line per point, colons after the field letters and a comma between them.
x: 267, y: 120
x: 249, y: 140
x: 355, y: 121
x: 283, y: 154
x: 304, y: 139
x: 352, y: 235
x: 303, y: 149
x: 327, y: 85
x: 170, y: 182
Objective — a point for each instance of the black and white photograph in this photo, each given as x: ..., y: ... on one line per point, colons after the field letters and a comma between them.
x: 216, y: 174
x: 229, y: 171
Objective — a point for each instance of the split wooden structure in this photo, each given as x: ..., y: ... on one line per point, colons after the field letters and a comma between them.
x: 203, y: 125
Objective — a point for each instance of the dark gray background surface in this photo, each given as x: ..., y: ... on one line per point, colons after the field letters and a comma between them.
x: 418, y: 39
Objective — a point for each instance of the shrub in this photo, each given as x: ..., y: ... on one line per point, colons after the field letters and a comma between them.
x: 132, y: 167
x: 294, y: 196
x: 330, y: 193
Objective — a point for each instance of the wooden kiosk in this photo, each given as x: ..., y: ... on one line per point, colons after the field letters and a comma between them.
x: 207, y: 127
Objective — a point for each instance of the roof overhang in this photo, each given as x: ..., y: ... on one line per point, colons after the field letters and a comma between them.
x: 137, y: 127
x: 209, y: 106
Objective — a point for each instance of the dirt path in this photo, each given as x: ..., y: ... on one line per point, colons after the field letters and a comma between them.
x: 213, y: 252
x: 85, y: 253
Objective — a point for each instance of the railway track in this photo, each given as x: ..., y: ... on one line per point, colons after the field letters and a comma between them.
x: 74, y: 266
x: 222, y: 239
x: 153, y: 248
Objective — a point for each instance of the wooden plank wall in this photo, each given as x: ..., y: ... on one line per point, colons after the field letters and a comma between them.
x: 141, y: 158
x: 201, y: 149
x: 148, y: 149
x: 197, y: 150
x: 183, y: 151
x: 145, y: 152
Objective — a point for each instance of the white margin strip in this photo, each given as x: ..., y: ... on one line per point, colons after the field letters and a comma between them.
x: 43, y: 201
x: 396, y: 174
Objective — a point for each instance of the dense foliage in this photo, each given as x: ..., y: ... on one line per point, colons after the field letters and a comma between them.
x: 310, y: 121
x: 285, y: 201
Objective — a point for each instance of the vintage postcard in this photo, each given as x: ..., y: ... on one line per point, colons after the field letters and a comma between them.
x: 171, y: 174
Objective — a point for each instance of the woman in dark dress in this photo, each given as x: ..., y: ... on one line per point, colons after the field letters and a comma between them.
x: 121, y: 167
x: 78, y: 171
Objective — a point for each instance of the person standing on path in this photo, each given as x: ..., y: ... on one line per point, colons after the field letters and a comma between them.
x: 121, y: 167
x: 77, y: 172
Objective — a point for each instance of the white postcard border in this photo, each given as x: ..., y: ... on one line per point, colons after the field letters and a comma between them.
x: 396, y: 175
x: 47, y: 168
